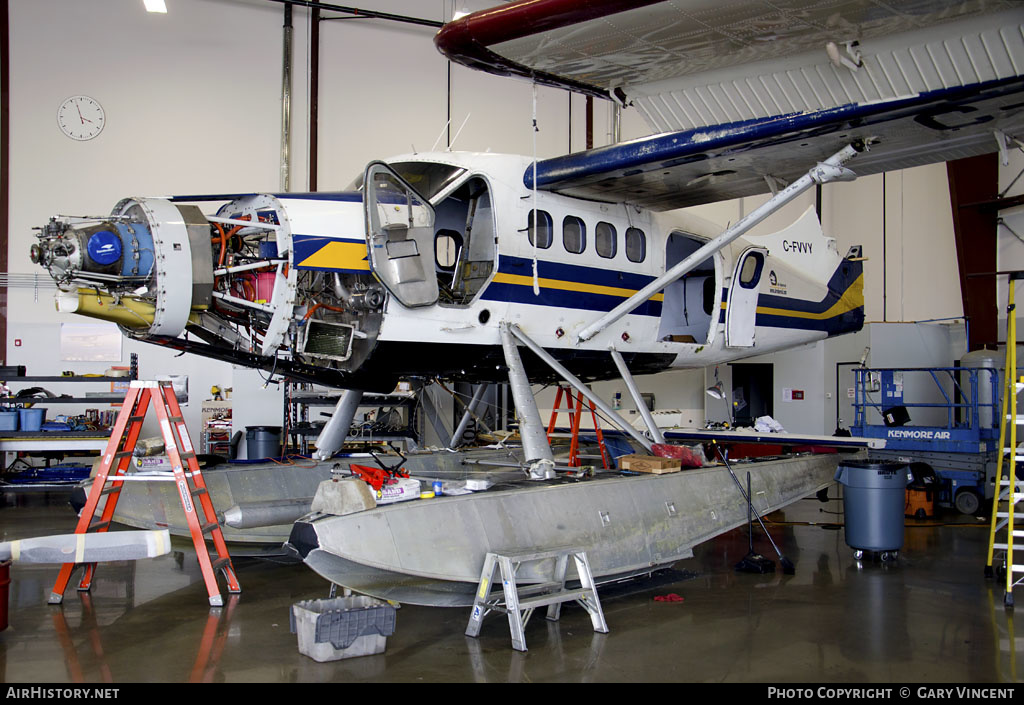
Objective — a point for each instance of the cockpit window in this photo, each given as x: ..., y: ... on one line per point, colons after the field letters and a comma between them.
x: 428, y: 178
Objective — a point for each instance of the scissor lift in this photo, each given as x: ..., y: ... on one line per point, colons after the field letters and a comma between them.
x: 962, y: 451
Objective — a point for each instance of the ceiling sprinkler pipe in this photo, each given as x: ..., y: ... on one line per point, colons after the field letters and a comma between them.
x: 286, y: 100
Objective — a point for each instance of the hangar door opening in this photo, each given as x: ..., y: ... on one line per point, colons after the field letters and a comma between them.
x: 753, y: 392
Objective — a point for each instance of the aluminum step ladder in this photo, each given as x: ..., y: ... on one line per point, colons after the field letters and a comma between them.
x: 195, y: 498
x: 576, y: 415
x: 519, y: 602
x: 1008, y: 491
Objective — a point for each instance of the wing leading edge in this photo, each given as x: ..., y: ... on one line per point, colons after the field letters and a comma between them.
x: 691, y: 167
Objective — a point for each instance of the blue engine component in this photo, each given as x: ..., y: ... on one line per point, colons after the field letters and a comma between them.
x: 136, y: 244
x: 104, y: 247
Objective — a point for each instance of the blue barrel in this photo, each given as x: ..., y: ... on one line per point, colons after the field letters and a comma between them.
x: 873, y: 501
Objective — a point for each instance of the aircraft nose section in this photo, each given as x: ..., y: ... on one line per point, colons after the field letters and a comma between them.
x: 302, y: 540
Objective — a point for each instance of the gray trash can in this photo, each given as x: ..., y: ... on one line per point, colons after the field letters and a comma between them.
x: 873, y: 502
x: 262, y: 442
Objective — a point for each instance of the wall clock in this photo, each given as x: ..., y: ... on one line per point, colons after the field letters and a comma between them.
x: 81, y: 117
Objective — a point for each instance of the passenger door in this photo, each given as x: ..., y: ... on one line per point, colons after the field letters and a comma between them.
x: 400, y: 236
x: 741, y: 311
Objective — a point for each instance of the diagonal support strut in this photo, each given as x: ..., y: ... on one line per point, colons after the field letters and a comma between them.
x: 831, y: 169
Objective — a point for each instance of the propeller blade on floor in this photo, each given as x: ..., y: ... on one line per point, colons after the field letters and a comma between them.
x: 88, y: 548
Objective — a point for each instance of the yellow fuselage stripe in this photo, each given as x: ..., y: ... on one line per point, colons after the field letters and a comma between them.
x: 852, y: 299
x: 339, y: 255
x: 562, y: 285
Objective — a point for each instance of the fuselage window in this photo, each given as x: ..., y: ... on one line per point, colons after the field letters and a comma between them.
x: 574, y: 234
x: 636, y: 245
x: 606, y: 240
x: 447, y: 244
x: 750, y: 274
x: 542, y: 229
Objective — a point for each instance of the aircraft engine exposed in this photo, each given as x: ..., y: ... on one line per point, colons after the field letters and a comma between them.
x: 166, y: 273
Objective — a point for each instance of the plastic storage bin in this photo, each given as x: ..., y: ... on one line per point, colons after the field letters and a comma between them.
x: 873, y: 502
x: 32, y: 419
x: 343, y: 627
x: 8, y: 420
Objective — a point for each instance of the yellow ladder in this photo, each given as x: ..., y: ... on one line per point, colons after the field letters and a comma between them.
x: 1007, y: 494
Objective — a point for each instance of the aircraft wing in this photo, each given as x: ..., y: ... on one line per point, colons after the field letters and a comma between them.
x: 748, y: 435
x: 786, y: 439
x: 746, y: 95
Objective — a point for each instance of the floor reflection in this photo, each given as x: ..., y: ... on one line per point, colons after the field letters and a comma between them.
x: 90, y: 628
x: 928, y: 617
x: 211, y: 646
x: 86, y: 660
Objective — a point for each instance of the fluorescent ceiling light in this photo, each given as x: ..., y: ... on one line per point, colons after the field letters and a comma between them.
x: 155, y: 6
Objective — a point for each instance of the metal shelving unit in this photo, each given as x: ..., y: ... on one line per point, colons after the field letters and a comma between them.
x: 62, y: 441
x: 301, y: 429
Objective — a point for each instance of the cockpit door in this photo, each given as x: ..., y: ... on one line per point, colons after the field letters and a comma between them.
x: 741, y: 310
x: 400, y: 227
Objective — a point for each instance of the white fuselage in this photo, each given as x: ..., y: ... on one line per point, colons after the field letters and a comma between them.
x: 414, y: 272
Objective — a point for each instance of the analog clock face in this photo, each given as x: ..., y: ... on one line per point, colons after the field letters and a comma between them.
x: 80, y: 117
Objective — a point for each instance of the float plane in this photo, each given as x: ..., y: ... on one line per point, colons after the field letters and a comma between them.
x: 502, y: 268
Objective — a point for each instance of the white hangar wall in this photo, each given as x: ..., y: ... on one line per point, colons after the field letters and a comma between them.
x: 193, y: 106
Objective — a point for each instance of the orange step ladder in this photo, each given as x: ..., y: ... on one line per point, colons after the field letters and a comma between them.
x: 577, y: 415
x: 191, y: 487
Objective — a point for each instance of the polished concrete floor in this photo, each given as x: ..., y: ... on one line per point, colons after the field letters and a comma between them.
x: 929, y: 618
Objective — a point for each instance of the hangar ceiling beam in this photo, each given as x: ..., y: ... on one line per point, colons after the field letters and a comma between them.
x: 372, y: 14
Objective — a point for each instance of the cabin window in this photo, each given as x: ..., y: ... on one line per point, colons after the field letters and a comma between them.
x: 636, y: 245
x: 574, y: 234
x: 606, y: 240
x: 543, y: 229
x: 447, y: 244
x: 750, y: 274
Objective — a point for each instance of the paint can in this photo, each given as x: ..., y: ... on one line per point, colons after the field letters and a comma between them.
x: 438, y: 488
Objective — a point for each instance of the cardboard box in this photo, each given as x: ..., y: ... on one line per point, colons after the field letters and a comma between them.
x: 649, y: 463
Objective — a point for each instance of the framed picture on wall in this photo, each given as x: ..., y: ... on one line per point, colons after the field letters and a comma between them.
x: 90, y: 342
